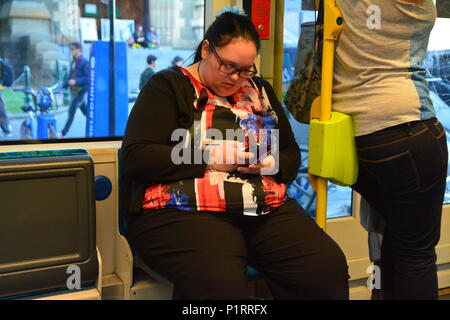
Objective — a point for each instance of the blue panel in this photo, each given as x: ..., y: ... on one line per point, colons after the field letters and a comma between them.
x: 44, y: 121
x: 98, y: 118
x: 121, y: 88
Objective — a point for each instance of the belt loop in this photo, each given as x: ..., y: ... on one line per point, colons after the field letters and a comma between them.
x: 408, y: 129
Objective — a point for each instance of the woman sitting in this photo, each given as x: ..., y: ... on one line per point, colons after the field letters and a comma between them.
x: 202, y: 209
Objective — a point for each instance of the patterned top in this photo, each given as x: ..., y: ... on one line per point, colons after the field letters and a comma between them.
x: 247, y: 110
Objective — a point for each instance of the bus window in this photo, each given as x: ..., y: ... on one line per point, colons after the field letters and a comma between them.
x: 49, y: 43
x: 437, y: 62
x: 299, y: 20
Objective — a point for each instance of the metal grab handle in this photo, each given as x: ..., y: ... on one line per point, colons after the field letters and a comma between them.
x: 321, y: 108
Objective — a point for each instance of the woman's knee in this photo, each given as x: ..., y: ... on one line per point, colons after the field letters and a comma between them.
x: 331, y: 273
x: 212, y: 281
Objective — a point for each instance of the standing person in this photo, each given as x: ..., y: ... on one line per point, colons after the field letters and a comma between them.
x: 4, y: 120
x: 78, y: 83
x: 379, y: 80
x: 149, y: 71
x: 153, y: 37
x: 140, y: 37
x: 6, y: 79
x: 177, y: 61
x: 200, y: 222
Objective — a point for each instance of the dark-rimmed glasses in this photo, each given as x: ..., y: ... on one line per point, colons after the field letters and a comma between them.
x: 232, y: 69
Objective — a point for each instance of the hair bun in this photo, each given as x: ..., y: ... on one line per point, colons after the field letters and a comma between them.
x: 232, y: 9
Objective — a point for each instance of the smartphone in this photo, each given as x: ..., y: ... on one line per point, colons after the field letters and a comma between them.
x: 262, y: 151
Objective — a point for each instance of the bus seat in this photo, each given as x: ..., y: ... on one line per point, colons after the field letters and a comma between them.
x: 47, y: 226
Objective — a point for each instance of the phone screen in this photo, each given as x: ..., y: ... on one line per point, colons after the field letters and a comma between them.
x: 262, y: 151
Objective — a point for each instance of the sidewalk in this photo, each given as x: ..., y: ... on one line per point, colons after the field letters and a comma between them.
x: 77, y: 130
x: 23, y: 116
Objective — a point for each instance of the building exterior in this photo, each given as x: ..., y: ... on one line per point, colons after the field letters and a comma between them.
x: 37, y: 33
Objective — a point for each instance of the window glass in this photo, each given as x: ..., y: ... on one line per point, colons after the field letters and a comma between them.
x: 298, y: 17
x: 59, y: 54
x: 437, y: 62
x: 298, y: 22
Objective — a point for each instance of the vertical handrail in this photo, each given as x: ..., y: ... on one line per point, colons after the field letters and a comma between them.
x: 278, y: 37
x: 27, y: 85
x: 332, y: 28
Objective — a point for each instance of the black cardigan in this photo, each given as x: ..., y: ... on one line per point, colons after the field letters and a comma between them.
x: 166, y: 103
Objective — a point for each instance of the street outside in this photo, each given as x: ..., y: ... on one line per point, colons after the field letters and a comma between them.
x: 136, y: 63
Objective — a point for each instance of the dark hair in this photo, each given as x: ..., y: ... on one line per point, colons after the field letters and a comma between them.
x: 151, y: 58
x: 176, y: 59
x: 226, y: 27
x: 76, y: 45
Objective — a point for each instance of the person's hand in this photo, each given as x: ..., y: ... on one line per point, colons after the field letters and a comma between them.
x: 227, y: 156
x: 72, y: 82
x: 268, y: 163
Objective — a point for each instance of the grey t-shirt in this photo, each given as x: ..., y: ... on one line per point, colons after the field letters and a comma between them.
x: 378, y: 75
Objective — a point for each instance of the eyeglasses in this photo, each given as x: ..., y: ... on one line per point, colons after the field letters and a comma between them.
x: 231, y: 69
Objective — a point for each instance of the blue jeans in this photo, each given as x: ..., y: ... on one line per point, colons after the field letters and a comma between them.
x: 402, y: 174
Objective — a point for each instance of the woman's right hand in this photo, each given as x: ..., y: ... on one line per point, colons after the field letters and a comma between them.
x: 227, y: 156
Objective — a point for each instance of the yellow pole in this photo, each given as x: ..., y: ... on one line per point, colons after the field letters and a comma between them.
x: 327, y: 80
x: 278, y: 50
x: 332, y: 28
x: 321, y: 203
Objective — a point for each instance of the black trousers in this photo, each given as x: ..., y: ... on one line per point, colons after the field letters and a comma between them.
x: 78, y: 101
x: 402, y: 174
x: 206, y: 254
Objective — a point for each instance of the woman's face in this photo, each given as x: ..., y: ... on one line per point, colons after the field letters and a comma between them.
x: 239, y: 53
